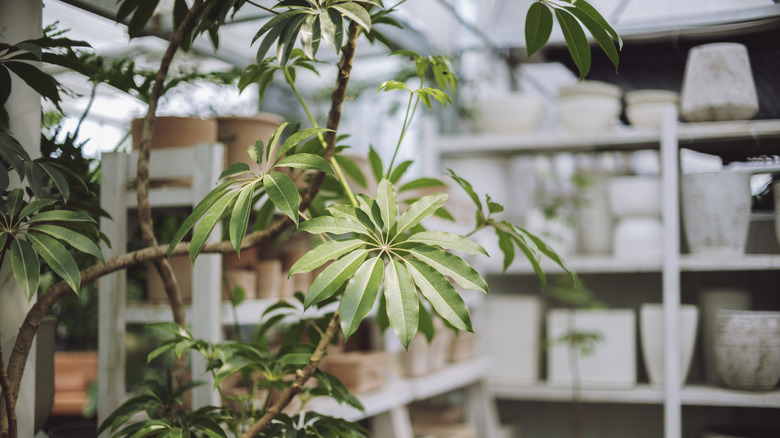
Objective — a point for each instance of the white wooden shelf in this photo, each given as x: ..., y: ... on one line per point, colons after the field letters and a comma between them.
x: 402, y: 391
x: 691, y: 395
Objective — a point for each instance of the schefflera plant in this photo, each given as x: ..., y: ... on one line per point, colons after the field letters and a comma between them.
x: 379, y: 248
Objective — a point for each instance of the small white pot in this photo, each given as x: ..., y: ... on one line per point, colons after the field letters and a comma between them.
x: 594, y: 222
x: 638, y: 237
x: 632, y: 196
x: 716, y: 212
x: 510, y: 113
x: 613, y: 362
x: 710, y: 300
x: 651, y: 329
x: 747, y: 348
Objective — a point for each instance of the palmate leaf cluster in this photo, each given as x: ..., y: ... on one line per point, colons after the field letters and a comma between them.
x: 572, y: 16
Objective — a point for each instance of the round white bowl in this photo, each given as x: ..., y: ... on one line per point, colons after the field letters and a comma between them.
x: 638, y: 238
x: 588, y: 113
x: 635, y: 97
x: 646, y: 115
x: 511, y: 113
x: 590, y: 88
x: 635, y: 196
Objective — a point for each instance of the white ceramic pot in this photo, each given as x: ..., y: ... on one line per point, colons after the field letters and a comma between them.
x: 510, y: 113
x: 716, y: 212
x: 513, y: 336
x: 594, y: 221
x: 718, y: 84
x: 747, y: 348
x: 644, y: 108
x: 613, y: 361
x: 710, y: 300
x: 651, y: 329
x: 588, y: 114
x: 633, y: 196
x: 638, y: 237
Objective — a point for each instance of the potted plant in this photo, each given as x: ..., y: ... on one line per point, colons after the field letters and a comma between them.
x: 376, y: 252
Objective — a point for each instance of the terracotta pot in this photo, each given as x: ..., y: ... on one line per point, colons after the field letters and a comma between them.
x: 747, y: 348
x: 74, y: 371
x: 238, y: 133
x: 359, y: 371
x: 170, y: 132
x: 246, y: 260
x: 155, y: 288
x: 269, y: 278
x: 240, y: 278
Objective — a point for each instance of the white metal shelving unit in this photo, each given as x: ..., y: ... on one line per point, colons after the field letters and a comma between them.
x: 753, y: 137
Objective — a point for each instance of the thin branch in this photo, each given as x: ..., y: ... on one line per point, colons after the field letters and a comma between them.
x: 8, y: 397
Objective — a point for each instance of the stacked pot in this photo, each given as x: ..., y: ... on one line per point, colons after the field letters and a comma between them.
x: 635, y: 202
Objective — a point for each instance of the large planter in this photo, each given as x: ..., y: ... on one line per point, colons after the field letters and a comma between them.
x: 155, y: 288
x: 238, y: 133
x: 612, y: 363
x: 651, y: 329
x: 716, y: 212
x: 747, y: 348
x: 718, y: 84
x: 170, y: 132
x: 710, y: 300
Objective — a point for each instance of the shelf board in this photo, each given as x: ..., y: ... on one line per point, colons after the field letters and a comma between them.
x: 700, y: 395
x: 747, y: 262
x: 543, y: 391
x: 403, y: 391
x: 759, y: 135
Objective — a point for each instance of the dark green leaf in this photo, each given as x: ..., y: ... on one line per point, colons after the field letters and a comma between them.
x: 360, y: 295
x: 25, y: 265
x: 296, y: 138
x: 306, y: 162
x: 600, y: 21
x: 329, y: 250
x: 465, y: 185
x: 274, y: 27
x: 288, y: 37
x: 353, y: 171
x: 375, y: 161
x: 310, y: 36
x: 14, y: 202
x: 43, y: 83
x: 576, y: 41
x: 282, y: 192
x: 403, y: 305
x: 234, y: 170
x: 239, y: 219
x: 57, y: 257
x: 426, y: 326
x: 264, y: 216
x: 507, y: 247
x: 538, y: 27
x: 601, y: 36
x: 61, y: 216
x: 441, y: 294
x: 36, y: 205
x: 73, y: 238
x: 59, y: 181
x: 296, y: 354
x: 422, y: 183
x: 211, y: 218
x: 333, y: 277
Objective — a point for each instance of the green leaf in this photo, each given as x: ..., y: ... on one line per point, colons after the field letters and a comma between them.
x: 355, y: 13
x: 288, y: 37
x: 274, y: 140
x: 25, y: 265
x: 59, y: 181
x: 448, y: 241
x: 234, y: 170
x: 375, y: 161
x: 164, y: 348
x: 601, y: 36
x: 43, y: 83
x: 5, y: 180
x: 393, y: 85
x: 14, y: 202
x: 529, y: 253
x: 310, y: 36
x: 73, y: 238
x: 586, y: 8
x: 61, y: 216
x: 352, y: 170
x: 422, y: 208
x: 333, y: 225
x: 276, y: 23
x: 576, y: 41
x: 296, y: 354
x: 381, y: 314
x: 296, y: 138
x: 422, y: 183
x: 282, y: 192
x: 333, y: 277
x: 58, y: 258
x: 399, y: 171
x: 466, y: 186
x: 507, y: 247
x: 213, y: 216
x: 403, y: 305
x: 306, y: 162
x: 452, y: 266
x: 360, y: 295
x: 388, y: 203
x: 549, y: 252
x: 538, y: 27
x: 352, y: 213
x: 199, y: 210
x: 36, y: 205
x: 441, y: 294
x: 329, y: 250
x: 239, y: 219
x: 426, y: 326
x: 264, y: 215
x: 331, y: 29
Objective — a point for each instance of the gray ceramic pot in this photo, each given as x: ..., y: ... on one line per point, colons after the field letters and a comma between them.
x: 747, y: 348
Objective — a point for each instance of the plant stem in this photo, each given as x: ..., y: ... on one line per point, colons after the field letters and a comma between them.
x: 314, y: 124
x: 407, y: 120
x: 8, y: 397
x: 7, y: 277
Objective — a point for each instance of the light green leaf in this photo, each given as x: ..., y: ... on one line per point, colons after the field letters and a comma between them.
x: 296, y: 138
x: 36, y: 205
x: 538, y: 27
x: 318, y: 256
x: 448, y: 241
x: 549, y: 252
x: 61, y: 216
x: 441, y: 294
x: 213, y: 216
x: 25, y: 265
x: 73, y: 238
x: 306, y: 162
x: 599, y: 34
x: 199, y: 210
x: 399, y: 171
x: 507, y: 247
x: 333, y: 277
x: 388, y: 203
x: 239, y: 219
x: 164, y: 348
x: 282, y: 192
x: 393, y: 85
x: 466, y: 186
x: 425, y: 325
x: 274, y: 140
x: 452, y: 266
x: 422, y: 208
x: 352, y: 213
x: 234, y: 170
x: 360, y: 295
x: 403, y: 305
x: 333, y: 225
x: 422, y: 183
x: 355, y: 13
x: 576, y: 41
x: 310, y: 36
x: 58, y: 258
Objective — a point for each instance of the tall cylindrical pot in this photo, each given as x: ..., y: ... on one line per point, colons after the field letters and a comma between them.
x: 747, y: 348
x: 238, y: 133
x: 594, y: 232
x: 652, y: 336
x: 716, y: 212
